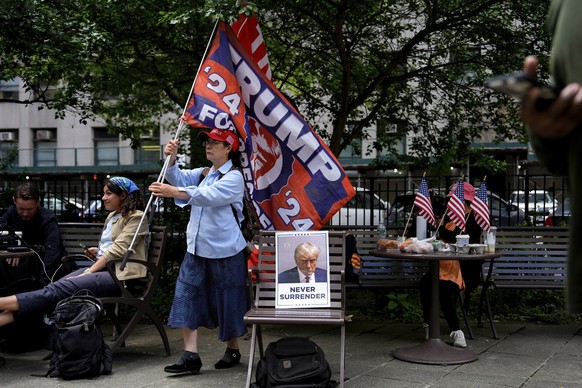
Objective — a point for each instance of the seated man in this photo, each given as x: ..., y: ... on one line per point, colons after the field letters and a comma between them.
x: 40, y: 231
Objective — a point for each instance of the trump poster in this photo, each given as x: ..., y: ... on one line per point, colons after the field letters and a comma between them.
x: 302, y: 269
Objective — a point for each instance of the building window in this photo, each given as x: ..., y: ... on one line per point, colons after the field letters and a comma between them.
x: 45, y: 147
x: 106, y: 147
x: 9, y: 89
x: 8, y: 154
x: 44, y: 91
x: 149, y: 150
x: 388, y: 140
x: 352, y: 151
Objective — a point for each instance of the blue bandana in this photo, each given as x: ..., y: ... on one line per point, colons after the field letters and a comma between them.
x: 124, y: 184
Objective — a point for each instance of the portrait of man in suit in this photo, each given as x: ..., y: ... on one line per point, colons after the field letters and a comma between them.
x: 306, y: 256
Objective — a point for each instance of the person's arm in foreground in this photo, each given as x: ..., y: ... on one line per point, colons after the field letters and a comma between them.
x: 561, y: 117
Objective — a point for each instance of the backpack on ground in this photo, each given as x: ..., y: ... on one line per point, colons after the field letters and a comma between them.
x: 293, y: 362
x: 79, y: 350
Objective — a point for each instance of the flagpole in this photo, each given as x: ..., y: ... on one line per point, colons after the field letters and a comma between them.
x: 411, y: 211
x: 442, y: 219
x: 407, y: 221
x: 162, y: 174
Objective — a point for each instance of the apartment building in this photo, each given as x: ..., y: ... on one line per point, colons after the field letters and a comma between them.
x: 34, y: 141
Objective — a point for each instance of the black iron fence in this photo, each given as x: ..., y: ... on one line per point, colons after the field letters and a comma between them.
x: 513, y: 200
x: 531, y: 197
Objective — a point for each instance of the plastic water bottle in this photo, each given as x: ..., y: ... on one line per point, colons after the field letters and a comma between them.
x: 381, y: 229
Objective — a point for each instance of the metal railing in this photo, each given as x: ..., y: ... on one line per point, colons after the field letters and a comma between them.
x: 377, y: 197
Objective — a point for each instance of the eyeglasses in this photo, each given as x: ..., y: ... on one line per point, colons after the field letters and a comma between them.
x: 212, y: 143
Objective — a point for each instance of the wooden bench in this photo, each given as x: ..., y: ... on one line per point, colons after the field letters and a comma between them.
x: 532, y: 257
x: 379, y: 272
x: 139, y: 298
x: 75, y: 234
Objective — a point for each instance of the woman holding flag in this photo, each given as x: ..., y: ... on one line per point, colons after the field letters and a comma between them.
x: 454, y: 275
x: 211, y: 288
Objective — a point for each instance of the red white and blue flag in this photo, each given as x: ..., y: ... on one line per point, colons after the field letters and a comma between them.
x: 456, y: 206
x: 248, y: 33
x: 480, y: 208
x: 422, y: 201
x: 295, y: 181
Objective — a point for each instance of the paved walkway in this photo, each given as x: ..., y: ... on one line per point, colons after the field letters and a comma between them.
x: 526, y: 355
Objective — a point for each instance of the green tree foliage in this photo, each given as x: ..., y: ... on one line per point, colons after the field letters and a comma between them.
x: 418, y: 64
x: 346, y: 63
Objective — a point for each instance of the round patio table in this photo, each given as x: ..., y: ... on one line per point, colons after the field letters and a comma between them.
x: 434, y: 350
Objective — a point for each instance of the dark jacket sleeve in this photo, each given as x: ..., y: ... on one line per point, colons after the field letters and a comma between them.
x: 53, y: 245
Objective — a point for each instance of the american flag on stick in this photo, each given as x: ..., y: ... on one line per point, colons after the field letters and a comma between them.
x: 480, y: 208
x: 456, y: 206
x: 422, y: 201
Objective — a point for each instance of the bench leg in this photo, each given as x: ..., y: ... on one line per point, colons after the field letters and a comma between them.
x: 251, y: 356
x: 342, y: 356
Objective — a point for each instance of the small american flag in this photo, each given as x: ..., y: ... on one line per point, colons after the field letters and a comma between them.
x: 456, y: 206
x: 480, y: 208
x: 422, y: 200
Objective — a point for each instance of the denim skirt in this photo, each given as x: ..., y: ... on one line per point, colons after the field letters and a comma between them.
x: 211, y: 293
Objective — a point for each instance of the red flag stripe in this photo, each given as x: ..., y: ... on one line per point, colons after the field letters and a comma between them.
x: 249, y: 34
x: 422, y: 201
x: 481, y: 213
x: 456, y: 211
x: 480, y: 208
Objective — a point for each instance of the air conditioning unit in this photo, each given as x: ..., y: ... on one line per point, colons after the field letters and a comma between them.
x: 392, y: 128
x: 7, y: 136
x: 146, y: 136
x: 44, y: 135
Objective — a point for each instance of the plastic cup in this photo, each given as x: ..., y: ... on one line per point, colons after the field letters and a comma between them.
x: 490, y: 240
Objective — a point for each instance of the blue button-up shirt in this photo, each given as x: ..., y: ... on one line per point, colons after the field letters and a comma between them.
x: 212, y: 231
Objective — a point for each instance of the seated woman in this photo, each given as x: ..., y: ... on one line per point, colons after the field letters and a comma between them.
x: 454, y: 276
x: 122, y: 197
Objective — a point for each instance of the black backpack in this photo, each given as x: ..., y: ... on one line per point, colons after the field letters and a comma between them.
x: 293, y: 362
x: 79, y: 350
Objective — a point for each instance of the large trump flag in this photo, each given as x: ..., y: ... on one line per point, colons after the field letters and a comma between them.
x: 292, y: 176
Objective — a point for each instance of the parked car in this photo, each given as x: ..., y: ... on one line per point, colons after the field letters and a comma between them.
x: 501, y: 212
x: 539, y: 204
x: 64, y: 210
x: 364, y: 208
x: 94, y: 211
x: 561, y: 216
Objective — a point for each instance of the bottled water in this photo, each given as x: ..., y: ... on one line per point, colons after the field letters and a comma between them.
x: 381, y: 229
